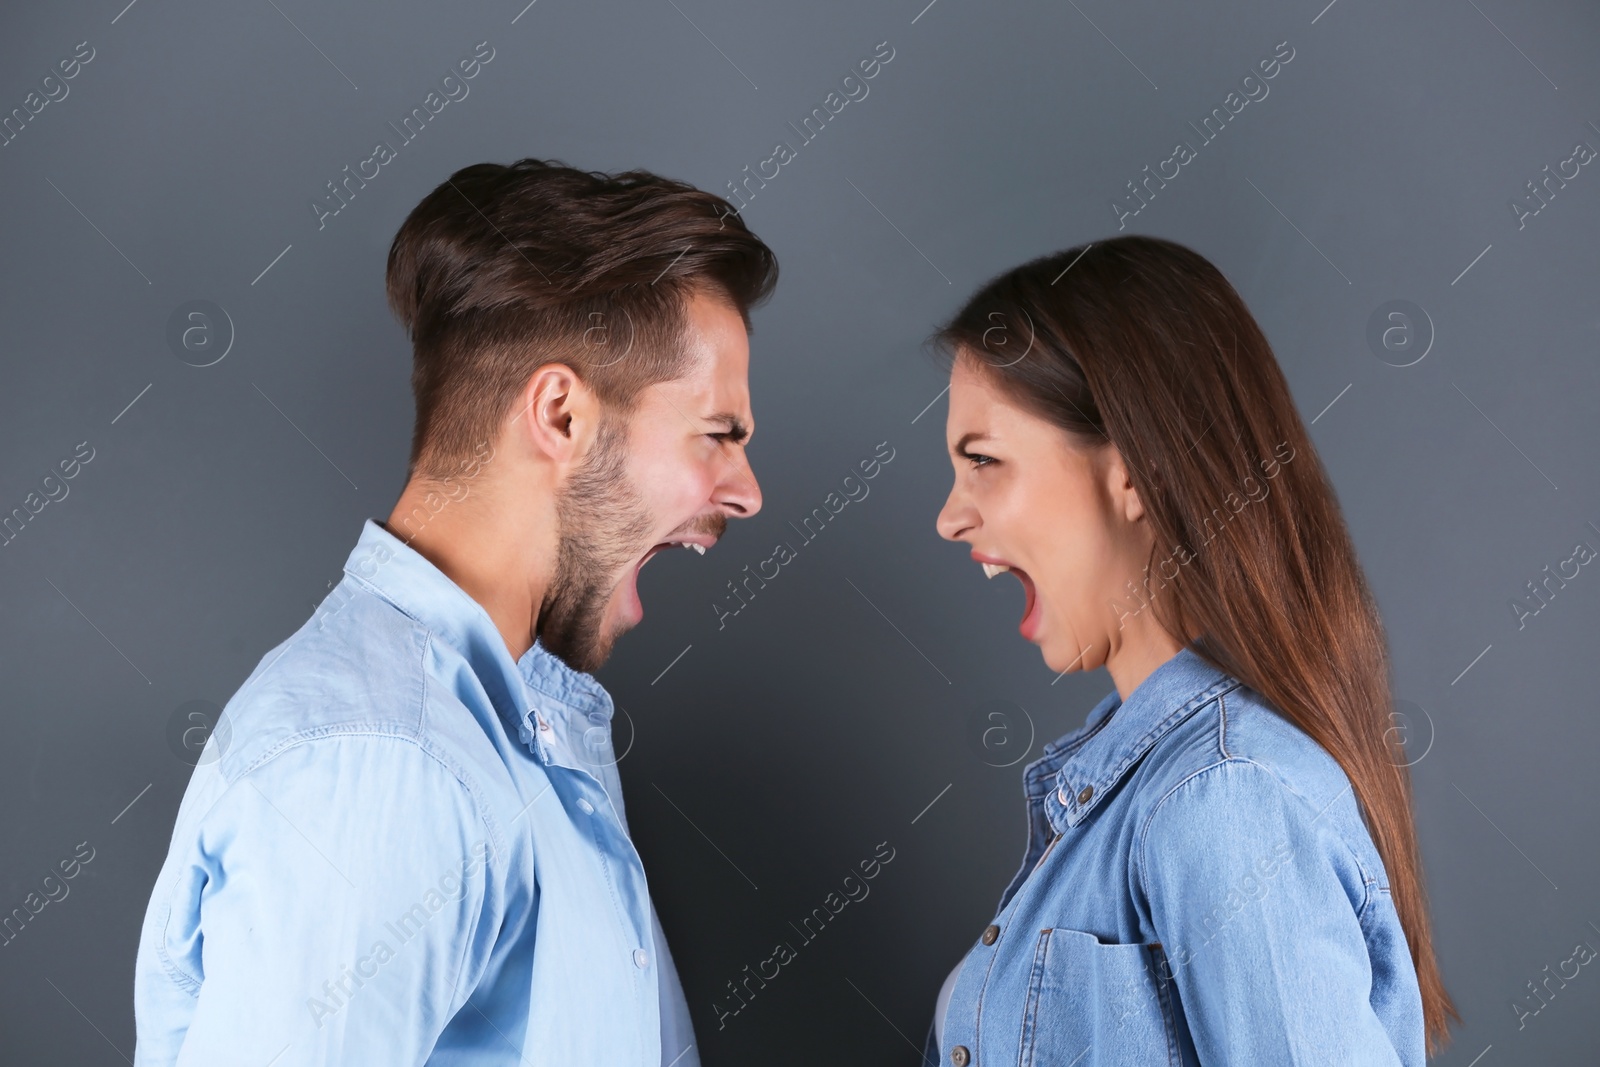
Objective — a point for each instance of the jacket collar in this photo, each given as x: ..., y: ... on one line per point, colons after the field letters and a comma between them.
x: 549, y: 689
x: 1086, y: 765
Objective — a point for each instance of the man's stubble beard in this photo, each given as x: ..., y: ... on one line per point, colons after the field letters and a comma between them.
x: 601, y: 523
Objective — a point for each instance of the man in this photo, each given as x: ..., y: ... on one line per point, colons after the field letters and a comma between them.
x: 409, y: 845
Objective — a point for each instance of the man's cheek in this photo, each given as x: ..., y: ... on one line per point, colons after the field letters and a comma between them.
x: 692, y: 490
x: 672, y: 492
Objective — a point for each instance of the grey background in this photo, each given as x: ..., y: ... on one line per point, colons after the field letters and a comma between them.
x: 841, y: 703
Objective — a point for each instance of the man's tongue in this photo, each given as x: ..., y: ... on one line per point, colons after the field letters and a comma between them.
x: 632, y: 606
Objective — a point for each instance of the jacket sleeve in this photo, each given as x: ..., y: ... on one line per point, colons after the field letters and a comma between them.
x: 1256, y: 903
x: 337, y: 894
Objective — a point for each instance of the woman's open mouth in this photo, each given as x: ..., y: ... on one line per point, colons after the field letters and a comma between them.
x: 1031, y: 614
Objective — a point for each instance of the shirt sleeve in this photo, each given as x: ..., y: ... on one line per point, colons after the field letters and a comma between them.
x: 1247, y: 890
x: 341, y: 890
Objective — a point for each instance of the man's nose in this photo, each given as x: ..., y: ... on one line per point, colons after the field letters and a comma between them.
x: 738, y: 492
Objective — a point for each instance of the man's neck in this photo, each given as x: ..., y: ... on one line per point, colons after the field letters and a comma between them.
x: 499, y: 557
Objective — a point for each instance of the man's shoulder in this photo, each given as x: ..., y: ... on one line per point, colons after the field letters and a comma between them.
x: 357, y: 665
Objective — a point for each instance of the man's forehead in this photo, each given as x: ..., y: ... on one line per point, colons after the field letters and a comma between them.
x: 705, y: 393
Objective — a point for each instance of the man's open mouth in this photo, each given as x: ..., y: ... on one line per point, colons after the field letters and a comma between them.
x: 698, y: 543
x: 633, y: 608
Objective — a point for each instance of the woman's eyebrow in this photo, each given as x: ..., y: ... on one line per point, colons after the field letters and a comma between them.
x: 966, y: 438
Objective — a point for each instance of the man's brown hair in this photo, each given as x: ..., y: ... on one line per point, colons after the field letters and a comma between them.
x: 504, y: 268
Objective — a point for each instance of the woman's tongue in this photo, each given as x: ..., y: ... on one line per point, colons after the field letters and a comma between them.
x: 1031, y: 613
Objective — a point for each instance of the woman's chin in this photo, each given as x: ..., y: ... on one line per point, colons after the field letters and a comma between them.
x: 1060, y: 656
x: 1053, y: 657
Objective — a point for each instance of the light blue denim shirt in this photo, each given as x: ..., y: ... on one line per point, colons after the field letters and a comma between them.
x: 403, y: 847
x: 1199, y: 888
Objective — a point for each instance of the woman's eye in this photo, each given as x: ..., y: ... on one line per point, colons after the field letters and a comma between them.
x: 977, y: 459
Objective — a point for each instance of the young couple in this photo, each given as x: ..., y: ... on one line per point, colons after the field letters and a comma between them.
x: 413, y: 850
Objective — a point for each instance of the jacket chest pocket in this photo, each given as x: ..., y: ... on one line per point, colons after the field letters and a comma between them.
x: 1092, y: 1003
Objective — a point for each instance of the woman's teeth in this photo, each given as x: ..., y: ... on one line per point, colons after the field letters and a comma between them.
x: 992, y: 569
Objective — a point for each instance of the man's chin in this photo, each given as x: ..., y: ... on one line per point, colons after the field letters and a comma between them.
x: 601, y: 651
x: 586, y: 656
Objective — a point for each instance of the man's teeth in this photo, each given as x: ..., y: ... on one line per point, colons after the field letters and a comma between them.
x: 698, y: 548
x: 992, y: 569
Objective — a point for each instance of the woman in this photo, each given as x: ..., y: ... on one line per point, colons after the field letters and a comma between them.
x: 1222, y: 866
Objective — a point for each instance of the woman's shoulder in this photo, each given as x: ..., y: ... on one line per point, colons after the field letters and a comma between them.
x: 1240, y: 765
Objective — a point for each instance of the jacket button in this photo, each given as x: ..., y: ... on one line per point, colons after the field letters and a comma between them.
x: 1085, y: 794
x: 960, y: 1056
x: 990, y: 934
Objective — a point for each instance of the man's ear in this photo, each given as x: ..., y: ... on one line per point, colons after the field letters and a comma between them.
x: 557, y: 413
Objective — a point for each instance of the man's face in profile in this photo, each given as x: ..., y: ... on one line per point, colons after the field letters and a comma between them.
x: 668, y: 473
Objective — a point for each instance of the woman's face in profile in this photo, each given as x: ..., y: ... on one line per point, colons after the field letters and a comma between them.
x: 1061, y: 517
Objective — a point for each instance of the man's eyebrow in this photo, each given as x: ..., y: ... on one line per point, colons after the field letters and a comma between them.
x: 737, y: 430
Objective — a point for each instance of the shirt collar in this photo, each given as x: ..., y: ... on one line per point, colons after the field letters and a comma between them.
x: 549, y: 689
x: 1085, y: 765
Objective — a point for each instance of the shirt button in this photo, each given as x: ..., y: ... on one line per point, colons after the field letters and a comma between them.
x: 1085, y: 794
x: 1061, y: 795
x: 585, y: 807
x: 641, y: 958
x: 960, y: 1056
x: 991, y: 934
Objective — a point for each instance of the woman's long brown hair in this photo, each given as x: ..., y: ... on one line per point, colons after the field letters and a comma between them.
x: 1142, y: 343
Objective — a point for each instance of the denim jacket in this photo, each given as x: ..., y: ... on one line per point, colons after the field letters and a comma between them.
x: 1199, y: 887
x: 401, y: 846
